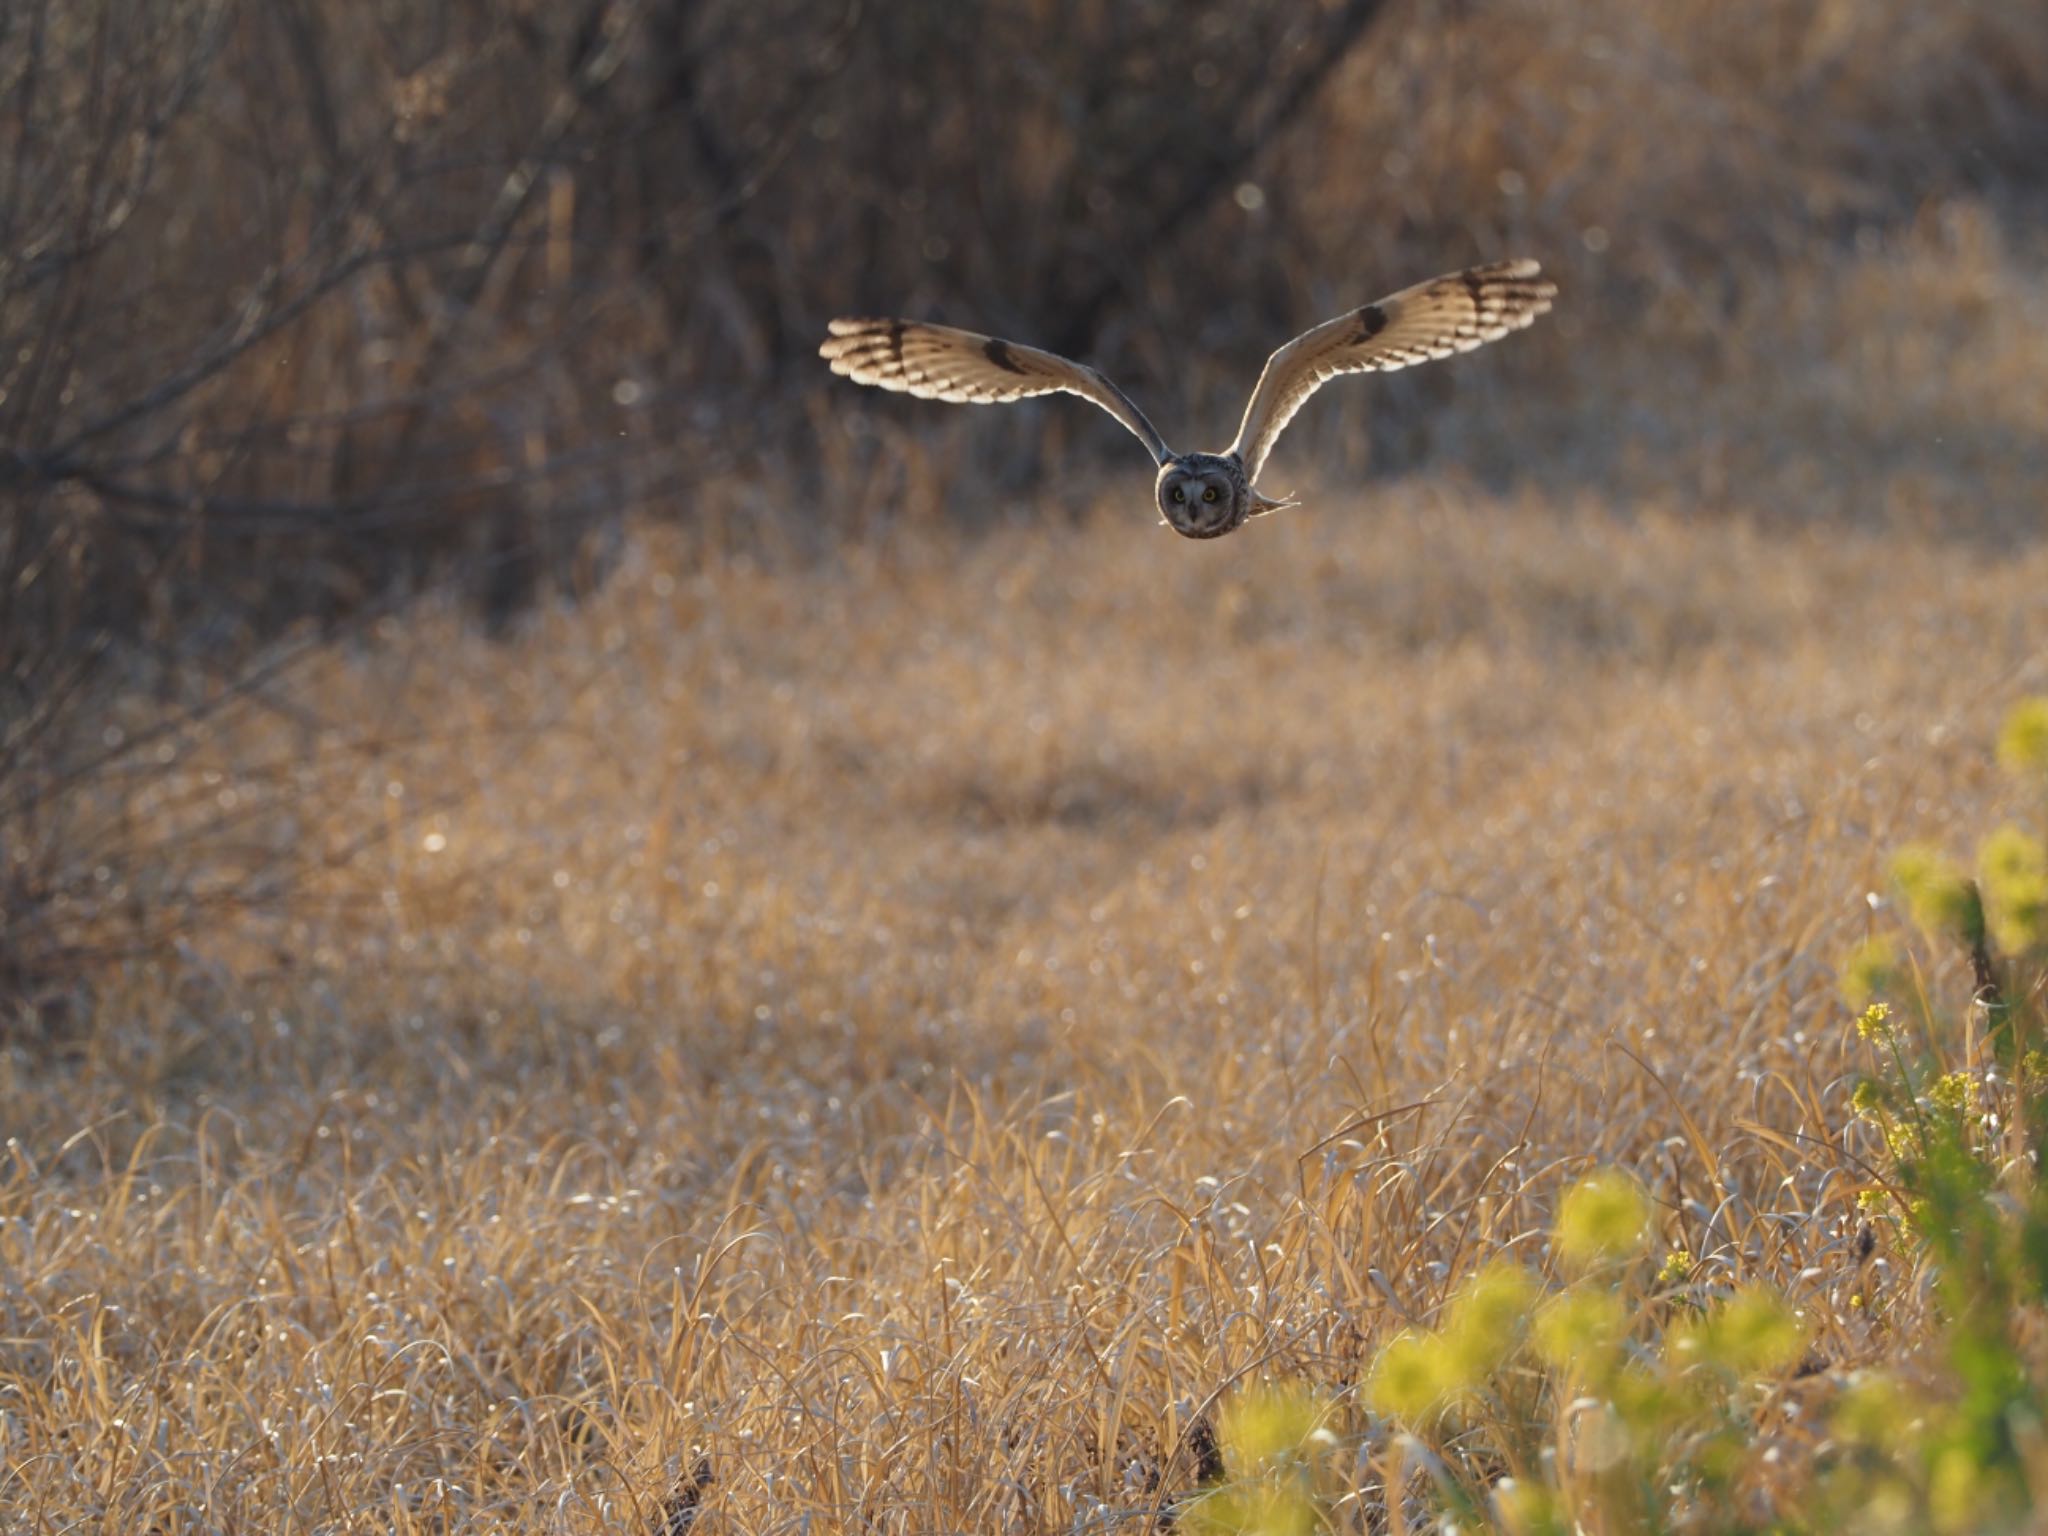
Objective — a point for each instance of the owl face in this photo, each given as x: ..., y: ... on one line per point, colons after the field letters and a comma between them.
x: 1203, y: 495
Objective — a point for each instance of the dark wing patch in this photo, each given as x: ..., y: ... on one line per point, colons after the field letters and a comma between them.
x: 1446, y: 315
x: 998, y: 352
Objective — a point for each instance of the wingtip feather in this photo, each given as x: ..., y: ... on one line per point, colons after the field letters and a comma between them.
x: 841, y: 335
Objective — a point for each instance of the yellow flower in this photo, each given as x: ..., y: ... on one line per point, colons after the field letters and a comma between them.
x: 1756, y: 1332
x: 1582, y: 1329
x: 1265, y: 1423
x: 2016, y: 881
x: 1262, y: 1508
x: 1954, y: 1092
x: 2009, y: 853
x: 2023, y: 741
x: 1678, y: 1266
x: 1938, y: 894
x: 1652, y: 1402
x: 1527, y: 1509
x: 1954, y: 1491
x: 1412, y: 1379
x: 1875, y: 1024
x: 1873, y: 1411
x: 1484, y: 1321
x: 1868, y: 970
x: 1601, y: 1219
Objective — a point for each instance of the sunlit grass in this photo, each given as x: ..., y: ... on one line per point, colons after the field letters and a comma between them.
x: 923, y: 1034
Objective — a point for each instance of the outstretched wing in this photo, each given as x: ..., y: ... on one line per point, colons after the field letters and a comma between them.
x: 940, y: 363
x: 1453, y: 313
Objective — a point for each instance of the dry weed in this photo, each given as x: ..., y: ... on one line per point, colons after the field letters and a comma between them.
x: 909, y: 1031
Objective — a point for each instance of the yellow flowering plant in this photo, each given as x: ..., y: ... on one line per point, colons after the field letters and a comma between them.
x: 1628, y: 1376
x: 1622, y: 1385
x: 1959, y: 1111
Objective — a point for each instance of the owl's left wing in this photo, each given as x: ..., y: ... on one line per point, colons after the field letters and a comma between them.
x: 1448, y: 314
x: 940, y: 363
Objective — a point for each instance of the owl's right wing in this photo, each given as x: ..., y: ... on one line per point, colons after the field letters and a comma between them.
x: 1452, y: 313
x: 937, y: 362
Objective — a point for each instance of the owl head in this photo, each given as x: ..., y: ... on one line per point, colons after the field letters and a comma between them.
x: 1203, y: 495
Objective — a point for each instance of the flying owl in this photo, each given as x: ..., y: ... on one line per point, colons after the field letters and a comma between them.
x: 1205, y: 495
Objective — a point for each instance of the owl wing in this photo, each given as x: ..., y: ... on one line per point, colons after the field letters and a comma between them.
x: 1453, y: 313
x: 937, y: 362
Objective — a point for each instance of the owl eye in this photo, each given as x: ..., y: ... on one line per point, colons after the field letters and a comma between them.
x: 1179, y: 495
x: 1209, y: 494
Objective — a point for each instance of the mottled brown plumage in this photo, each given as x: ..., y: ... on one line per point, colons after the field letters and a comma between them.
x: 1204, y: 495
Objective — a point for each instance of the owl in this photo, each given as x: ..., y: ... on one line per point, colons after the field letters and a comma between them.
x: 1205, y: 495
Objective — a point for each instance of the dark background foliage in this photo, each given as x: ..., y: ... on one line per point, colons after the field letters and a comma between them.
x: 318, y: 293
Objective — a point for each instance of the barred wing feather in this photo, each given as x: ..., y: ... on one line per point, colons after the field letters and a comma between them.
x: 938, y: 362
x: 1445, y: 315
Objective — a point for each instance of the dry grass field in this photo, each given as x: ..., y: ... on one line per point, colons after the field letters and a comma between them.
x: 600, y: 932
x: 907, y: 1032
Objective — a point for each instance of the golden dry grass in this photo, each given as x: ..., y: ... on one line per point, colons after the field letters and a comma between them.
x: 908, y: 1030
x: 905, y: 1027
